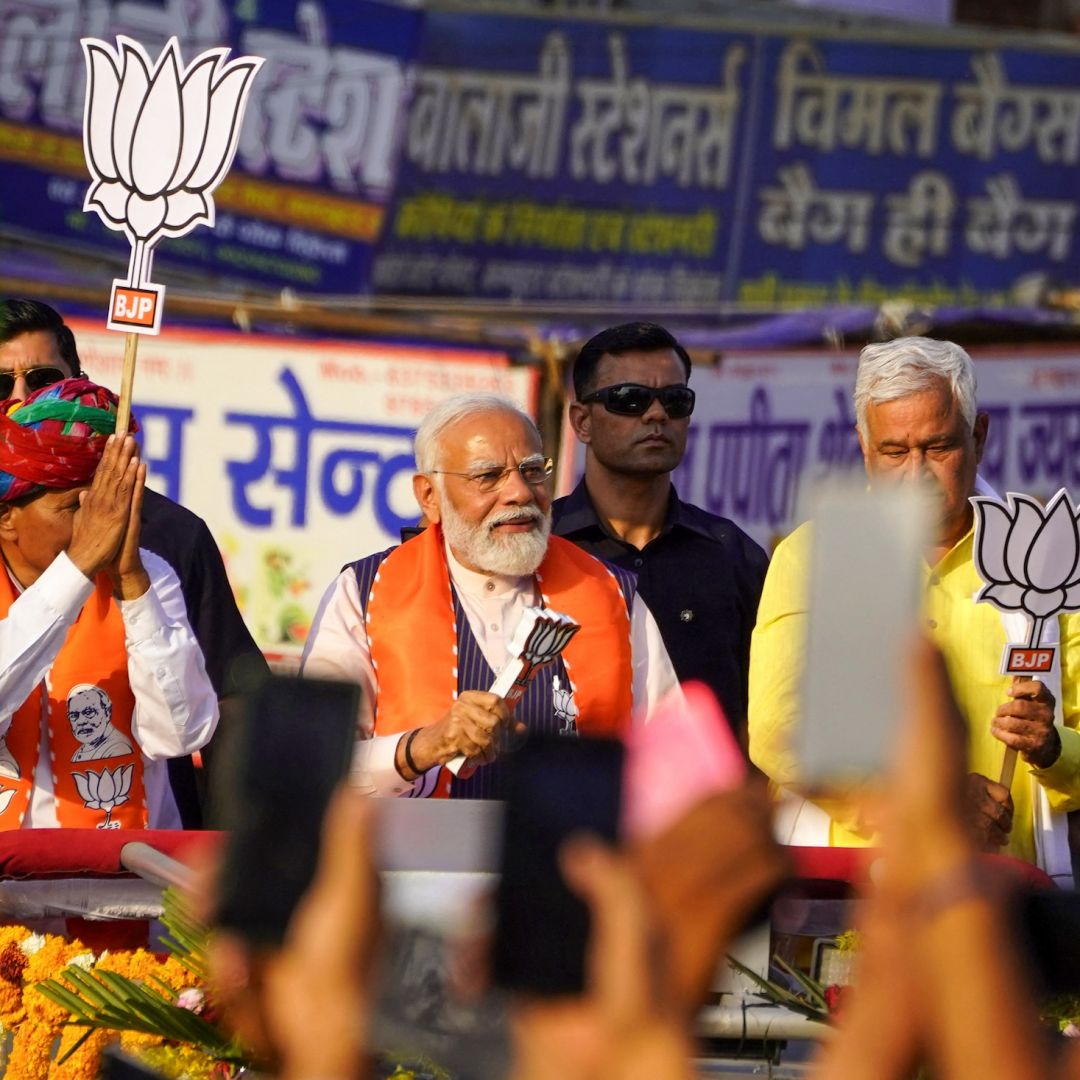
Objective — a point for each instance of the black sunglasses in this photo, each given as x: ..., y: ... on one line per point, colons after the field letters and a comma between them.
x: 36, y: 378
x: 633, y: 399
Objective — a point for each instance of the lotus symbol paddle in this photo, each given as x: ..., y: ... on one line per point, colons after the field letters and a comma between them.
x: 540, y: 636
x: 550, y: 634
x: 158, y: 138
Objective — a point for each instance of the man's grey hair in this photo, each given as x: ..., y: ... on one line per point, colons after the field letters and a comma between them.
x: 910, y: 365
x: 452, y: 410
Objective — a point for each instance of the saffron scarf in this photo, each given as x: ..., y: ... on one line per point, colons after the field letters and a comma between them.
x: 98, y: 778
x: 411, y: 633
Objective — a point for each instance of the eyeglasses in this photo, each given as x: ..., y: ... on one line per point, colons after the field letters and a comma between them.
x: 36, y: 378
x: 534, y: 471
x: 633, y: 399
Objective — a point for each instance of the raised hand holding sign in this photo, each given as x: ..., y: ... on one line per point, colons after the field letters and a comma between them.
x: 540, y: 637
x: 1029, y: 557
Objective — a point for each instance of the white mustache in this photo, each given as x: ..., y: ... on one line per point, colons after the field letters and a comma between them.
x: 513, y: 517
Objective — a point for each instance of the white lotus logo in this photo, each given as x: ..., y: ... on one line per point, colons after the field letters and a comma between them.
x: 105, y: 791
x: 564, y: 706
x: 159, y: 138
x: 5, y: 798
x: 550, y: 636
x: 1029, y: 556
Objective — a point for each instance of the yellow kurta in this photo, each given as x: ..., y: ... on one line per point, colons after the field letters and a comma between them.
x: 971, y: 638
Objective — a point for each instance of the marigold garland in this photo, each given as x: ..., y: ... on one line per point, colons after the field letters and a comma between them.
x: 41, y: 1034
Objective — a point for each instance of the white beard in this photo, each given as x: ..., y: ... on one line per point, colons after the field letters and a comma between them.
x: 513, y: 554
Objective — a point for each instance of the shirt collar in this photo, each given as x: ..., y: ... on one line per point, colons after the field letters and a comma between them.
x: 579, y: 515
x: 958, y: 554
x: 473, y: 583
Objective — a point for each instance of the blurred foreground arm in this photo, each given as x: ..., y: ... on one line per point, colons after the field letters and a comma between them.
x: 663, y: 916
x: 306, y: 1006
x: 939, y: 979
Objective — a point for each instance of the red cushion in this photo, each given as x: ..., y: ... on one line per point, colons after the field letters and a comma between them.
x: 57, y: 853
x: 850, y: 865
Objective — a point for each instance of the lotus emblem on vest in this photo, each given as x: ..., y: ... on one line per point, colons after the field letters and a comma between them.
x: 566, y: 710
x: 105, y: 790
x: 159, y: 138
x: 1029, y: 555
x: 5, y: 798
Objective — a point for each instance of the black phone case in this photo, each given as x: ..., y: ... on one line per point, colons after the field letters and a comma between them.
x: 293, y: 748
x: 557, y: 786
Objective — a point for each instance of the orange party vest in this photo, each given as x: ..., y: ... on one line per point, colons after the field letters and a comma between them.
x: 413, y: 640
x: 91, y: 791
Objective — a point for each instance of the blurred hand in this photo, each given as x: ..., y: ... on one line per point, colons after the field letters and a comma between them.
x: 304, y: 1008
x: 473, y: 726
x: 705, y: 876
x: 101, y: 522
x: 625, y: 1027
x: 1026, y: 723
x: 990, y: 811
x: 927, y: 812
x: 318, y: 987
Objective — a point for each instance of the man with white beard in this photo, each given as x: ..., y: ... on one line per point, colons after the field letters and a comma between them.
x: 424, y: 627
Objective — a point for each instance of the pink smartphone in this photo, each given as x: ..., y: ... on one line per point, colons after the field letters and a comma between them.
x: 685, y: 753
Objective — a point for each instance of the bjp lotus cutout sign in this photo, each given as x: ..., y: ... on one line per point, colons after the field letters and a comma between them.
x: 159, y: 138
x: 1029, y: 557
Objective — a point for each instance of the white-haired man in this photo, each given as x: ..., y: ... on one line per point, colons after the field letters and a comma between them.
x: 424, y: 627
x: 917, y: 421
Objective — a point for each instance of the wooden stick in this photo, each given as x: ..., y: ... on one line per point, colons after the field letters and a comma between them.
x: 127, y: 383
x: 1008, y: 767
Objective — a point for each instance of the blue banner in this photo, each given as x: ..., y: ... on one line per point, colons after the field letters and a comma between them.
x: 314, y: 171
x: 946, y: 174
x: 568, y: 161
x: 575, y: 161
x: 572, y: 161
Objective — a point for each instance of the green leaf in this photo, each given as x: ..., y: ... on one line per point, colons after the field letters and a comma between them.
x: 814, y: 990
x: 78, y: 1042
x: 60, y: 995
x: 780, y: 995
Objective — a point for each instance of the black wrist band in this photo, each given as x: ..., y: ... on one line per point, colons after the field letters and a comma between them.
x: 408, y: 753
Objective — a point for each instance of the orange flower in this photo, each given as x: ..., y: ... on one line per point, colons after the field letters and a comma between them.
x: 31, y: 1050
x: 85, y: 1063
x: 47, y: 963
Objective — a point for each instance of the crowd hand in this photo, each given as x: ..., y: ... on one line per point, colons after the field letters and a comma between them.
x: 703, y: 889
x: 627, y: 1025
x: 1026, y: 723
x: 932, y: 807
x: 104, y: 515
x: 927, y: 828
x: 990, y: 811
x: 473, y: 727
x: 304, y: 1009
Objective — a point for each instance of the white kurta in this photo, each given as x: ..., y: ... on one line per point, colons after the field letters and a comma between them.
x: 176, y: 709
x: 337, y: 648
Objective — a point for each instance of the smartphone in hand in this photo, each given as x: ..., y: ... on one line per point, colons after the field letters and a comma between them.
x: 866, y: 582
x: 292, y: 748
x: 557, y: 786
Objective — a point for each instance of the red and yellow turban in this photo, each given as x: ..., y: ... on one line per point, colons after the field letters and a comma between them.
x: 55, y: 438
